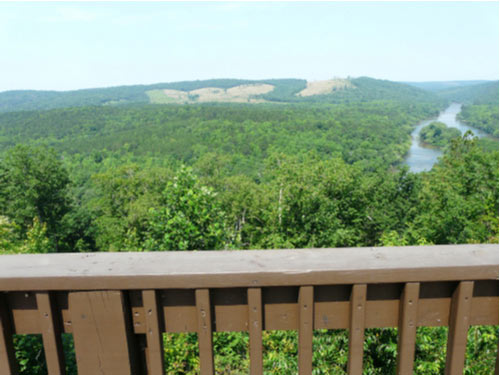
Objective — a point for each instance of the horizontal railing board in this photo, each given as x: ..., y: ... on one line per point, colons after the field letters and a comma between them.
x: 250, y: 268
x: 327, y: 315
x: 279, y: 308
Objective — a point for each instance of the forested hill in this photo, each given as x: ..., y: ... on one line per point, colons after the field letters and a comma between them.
x: 436, y: 86
x: 485, y: 93
x: 480, y: 108
x: 219, y: 90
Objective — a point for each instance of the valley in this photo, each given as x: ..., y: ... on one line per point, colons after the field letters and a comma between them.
x: 239, y: 164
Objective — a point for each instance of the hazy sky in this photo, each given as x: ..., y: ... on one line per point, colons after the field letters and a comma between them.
x: 62, y: 46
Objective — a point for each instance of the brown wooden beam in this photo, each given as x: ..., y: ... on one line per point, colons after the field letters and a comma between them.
x: 205, y: 332
x: 357, y: 329
x: 50, y: 324
x: 408, y: 311
x: 102, y: 334
x: 306, y: 322
x: 459, y: 327
x: 154, y: 329
x: 255, y: 330
x: 256, y: 268
x: 8, y: 363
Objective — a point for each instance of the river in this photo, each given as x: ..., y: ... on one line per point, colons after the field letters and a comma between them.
x: 421, y: 158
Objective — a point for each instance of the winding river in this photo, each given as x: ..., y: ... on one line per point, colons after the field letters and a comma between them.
x: 421, y: 158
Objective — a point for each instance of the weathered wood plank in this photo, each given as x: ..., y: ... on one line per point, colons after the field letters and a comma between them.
x: 180, y: 314
x: 256, y: 268
x: 8, y: 364
x: 255, y: 330
x: 154, y: 335
x: 407, y: 330
x: 357, y: 329
x: 306, y: 322
x: 50, y: 324
x: 102, y: 333
x: 205, y: 331
x: 459, y: 326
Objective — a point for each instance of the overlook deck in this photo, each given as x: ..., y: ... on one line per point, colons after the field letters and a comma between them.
x: 112, y: 301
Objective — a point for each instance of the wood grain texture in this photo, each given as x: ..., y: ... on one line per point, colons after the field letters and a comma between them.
x: 306, y: 322
x: 459, y: 326
x: 255, y: 330
x: 205, y: 331
x: 8, y: 363
x: 50, y: 324
x: 256, y: 268
x: 154, y: 329
x: 102, y: 335
x: 357, y: 329
x: 407, y: 329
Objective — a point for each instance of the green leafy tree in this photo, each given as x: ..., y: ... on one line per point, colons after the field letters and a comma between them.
x: 9, y: 241
x: 438, y: 134
x: 459, y: 197
x: 33, y: 185
x: 121, y: 205
x: 189, y: 217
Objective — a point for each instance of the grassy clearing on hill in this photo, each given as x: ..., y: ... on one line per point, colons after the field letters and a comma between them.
x: 238, y: 94
x: 325, y: 87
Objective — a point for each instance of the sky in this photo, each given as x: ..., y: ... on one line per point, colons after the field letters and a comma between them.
x: 66, y: 46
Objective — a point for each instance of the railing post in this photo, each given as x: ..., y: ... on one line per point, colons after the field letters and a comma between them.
x: 8, y: 364
x: 407, y: 329
x: 254, y: 296
x: 459, y: 325
x: 154, y: 335
x: 357, y: 329
x: 306, y: 321
x: 205, y: 331
x: 50, y: 325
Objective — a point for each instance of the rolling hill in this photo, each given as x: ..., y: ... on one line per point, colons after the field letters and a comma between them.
x: 336, y: 90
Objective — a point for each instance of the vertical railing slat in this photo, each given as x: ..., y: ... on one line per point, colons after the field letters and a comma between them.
x: 407, y: 329
x: 154, y: 333
x: 357, y: 329
x: 254, y: 296
x: 51, y: 333
x: 306, y: 316
x: 103, y: 334
x: 8, y: 364
x: 458, y: 327
x: 205, y: 331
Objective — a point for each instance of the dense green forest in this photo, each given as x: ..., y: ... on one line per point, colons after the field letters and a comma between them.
x: 438, y: 134
x: 323, y: 173
x: 372, y: 134
x: 481, y: 116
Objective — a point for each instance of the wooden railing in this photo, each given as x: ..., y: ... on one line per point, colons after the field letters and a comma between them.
x: 108, y: 301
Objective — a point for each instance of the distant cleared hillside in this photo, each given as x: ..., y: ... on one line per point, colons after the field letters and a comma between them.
x: 337, y: 90
x: 41, y: 100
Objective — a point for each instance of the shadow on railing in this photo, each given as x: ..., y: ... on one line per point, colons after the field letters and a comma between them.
x: 108, y: 301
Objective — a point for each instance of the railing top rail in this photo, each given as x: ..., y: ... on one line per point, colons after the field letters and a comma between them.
x: 215, y: 269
